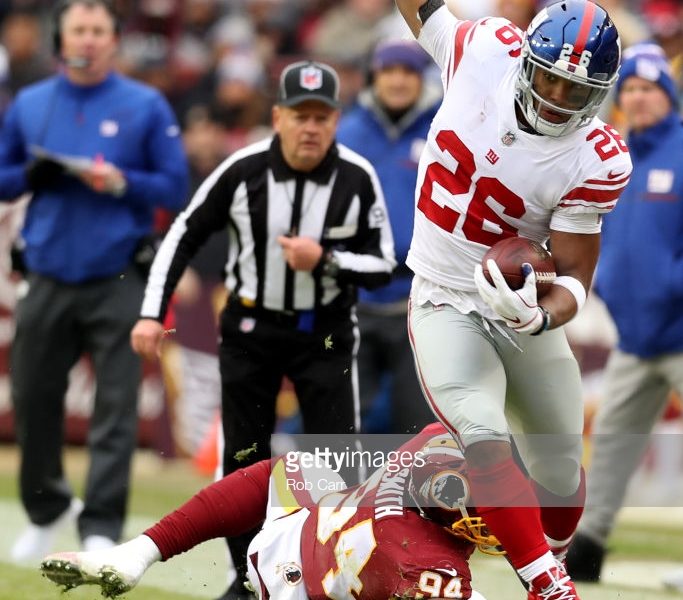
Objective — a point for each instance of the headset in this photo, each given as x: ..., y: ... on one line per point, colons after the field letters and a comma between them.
x: 64, y: 5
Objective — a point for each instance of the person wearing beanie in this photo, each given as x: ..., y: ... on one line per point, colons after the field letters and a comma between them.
x: 640, y: 279
x: 648, y: 61
x: 388, y: 125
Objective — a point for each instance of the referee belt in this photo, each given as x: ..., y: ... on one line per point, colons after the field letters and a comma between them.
x: 303, y: 320
x: 248, y: 307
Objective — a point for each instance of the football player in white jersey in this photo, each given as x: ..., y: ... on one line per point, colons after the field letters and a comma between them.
x: 516, y: 149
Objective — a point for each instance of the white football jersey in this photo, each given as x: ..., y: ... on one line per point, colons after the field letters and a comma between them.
x: 481, y: 178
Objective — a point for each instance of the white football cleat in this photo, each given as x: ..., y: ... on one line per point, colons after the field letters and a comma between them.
x: 116, y: 570
x: 97, y: 542
x: 553, y: 584
x: 37, y: 540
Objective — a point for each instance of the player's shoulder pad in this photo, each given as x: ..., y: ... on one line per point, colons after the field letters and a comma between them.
x: 605, y: 170
x: 605, y: 153
x: 492, y: 36
x: 488, y: 44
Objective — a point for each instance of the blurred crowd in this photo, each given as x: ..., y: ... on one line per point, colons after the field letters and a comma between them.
x: 217, y: 61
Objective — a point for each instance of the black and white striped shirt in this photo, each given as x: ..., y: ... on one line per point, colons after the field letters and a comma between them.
x: 257, y: 197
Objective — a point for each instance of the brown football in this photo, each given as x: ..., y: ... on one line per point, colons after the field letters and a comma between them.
x: 511, y: 253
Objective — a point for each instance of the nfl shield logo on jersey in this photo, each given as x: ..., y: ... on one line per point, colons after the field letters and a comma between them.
x: 311, y: 78
x: 508, y: 138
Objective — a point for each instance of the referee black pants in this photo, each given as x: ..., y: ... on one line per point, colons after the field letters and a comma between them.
x: 257, y: 349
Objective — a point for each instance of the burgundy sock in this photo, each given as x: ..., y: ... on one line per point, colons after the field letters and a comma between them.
x: 231, y: 506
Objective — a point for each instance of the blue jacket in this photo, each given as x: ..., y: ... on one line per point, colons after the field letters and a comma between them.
x: 640, y: 272
x: 71, y: 232
x: 394, y: 150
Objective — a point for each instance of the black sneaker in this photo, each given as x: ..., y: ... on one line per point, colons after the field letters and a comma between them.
x: 584, y: 559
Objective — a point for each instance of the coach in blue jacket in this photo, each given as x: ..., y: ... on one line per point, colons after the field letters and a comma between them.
x: 85, y: 223
x: 640, y: 278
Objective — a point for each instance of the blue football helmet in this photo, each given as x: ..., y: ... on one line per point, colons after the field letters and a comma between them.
x: 577, y: 41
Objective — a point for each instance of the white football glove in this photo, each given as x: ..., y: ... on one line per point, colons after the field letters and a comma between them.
x: 519, y: 308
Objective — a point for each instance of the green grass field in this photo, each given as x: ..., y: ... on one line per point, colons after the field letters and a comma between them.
x: 646, y: 543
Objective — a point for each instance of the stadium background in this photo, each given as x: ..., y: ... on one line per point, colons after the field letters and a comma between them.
x: 217, y: 62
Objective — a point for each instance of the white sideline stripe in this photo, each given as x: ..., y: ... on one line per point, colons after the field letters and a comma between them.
x: 202, y: 572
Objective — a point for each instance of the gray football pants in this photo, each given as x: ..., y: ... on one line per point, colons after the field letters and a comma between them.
x: 636, y: 393
x: 484, y: 386
x: 55, y: 324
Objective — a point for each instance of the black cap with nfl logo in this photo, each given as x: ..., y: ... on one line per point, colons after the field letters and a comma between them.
x: 308, y: 80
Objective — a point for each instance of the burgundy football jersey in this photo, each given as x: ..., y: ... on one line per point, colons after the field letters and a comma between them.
x: 369, y: 543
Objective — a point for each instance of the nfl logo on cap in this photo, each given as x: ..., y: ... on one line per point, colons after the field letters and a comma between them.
x: 311, y: 78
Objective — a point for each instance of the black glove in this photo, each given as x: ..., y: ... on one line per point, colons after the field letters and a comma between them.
x: 42, y: 173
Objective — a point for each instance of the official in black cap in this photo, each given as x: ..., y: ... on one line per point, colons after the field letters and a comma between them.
x: 307, y: 226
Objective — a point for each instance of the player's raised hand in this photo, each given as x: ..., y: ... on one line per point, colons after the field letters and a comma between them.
x: 519, y: 308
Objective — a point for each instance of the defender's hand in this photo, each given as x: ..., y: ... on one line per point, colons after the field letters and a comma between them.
x: 519, y: 308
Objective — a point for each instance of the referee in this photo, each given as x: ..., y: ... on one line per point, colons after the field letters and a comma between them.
x: 307, y: 224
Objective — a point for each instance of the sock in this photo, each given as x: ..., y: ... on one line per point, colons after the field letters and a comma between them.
x: 560, y: 514
x: 535, y: 568
x: 515, y: 519
x: 144, y: 547
x: 229, y: 507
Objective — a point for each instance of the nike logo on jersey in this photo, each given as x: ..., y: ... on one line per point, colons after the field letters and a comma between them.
x: 451, y: 572
x: 612, y: 175
x: 515, y: 320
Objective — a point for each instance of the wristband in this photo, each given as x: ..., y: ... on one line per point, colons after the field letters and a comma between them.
x: 575, y: 287
x: 545, y: 324
x: 428, y: 9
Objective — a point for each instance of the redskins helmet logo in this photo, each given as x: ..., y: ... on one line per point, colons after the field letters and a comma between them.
x: 291, y: 573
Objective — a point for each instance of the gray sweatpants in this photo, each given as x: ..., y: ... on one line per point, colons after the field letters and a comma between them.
x: 55, y: 324
x: 636, y: 393
x: 486, y: 381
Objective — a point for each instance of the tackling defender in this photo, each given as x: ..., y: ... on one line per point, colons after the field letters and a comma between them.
x: 514, y: 150
x: 404, y: 533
